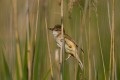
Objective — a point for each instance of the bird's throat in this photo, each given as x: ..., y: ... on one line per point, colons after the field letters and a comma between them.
x: 55, y: 33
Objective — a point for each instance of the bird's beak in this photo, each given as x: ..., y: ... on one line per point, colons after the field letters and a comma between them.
x: 50, y: 29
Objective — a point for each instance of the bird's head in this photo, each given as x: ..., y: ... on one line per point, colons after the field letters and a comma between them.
x: 56, y: 29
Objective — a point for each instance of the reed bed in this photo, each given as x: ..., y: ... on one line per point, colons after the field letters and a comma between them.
x: 28, y: 50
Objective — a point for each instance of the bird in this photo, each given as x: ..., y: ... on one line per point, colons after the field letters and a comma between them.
x: 70, y: 45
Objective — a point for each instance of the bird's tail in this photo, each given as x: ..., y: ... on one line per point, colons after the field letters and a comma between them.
x: 81, y: 65
x: 80, y: 62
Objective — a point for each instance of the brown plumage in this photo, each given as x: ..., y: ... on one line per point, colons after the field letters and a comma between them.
x: 70, y: 46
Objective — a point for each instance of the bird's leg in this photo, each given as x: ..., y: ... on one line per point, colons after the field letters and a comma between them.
x: 68, y: 57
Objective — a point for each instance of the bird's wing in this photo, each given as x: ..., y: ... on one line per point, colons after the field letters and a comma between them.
x: 68, y: 37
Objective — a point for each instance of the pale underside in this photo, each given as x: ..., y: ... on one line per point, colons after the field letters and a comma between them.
x: 70, y: 46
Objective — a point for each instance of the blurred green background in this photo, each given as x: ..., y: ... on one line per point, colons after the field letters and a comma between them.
x: 86, y: 21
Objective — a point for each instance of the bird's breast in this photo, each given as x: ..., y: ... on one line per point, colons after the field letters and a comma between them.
x: 59, y: 42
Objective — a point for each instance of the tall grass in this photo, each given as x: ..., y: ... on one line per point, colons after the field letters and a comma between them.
x: 51, y: 70
x: 101, y: 51
x: 113, y: 39
x: 15, y: 19
x: 93, y: 24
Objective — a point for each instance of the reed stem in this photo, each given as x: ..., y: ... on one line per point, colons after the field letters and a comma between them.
x: 15, y: 19
x: 49, y: 49
x: 62, y: 48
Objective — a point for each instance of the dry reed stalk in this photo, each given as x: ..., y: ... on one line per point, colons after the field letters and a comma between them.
x: 62, y: 48
x: 28, y: 40
x: 83, y: 24
x: 113, y: 39
x: 36, y: 24
x: 11, y: 43
x: 88, y: 51
x: 115, y: 71
x: 75, y: 66
x: 81, y: 33
x: 101, y: 51
x: 89, y: 60
x: 75, y: 71
x: 34, y: 38
x: 109, y: 20
x: 49, y: 49
x: 94, y: 64
x: 111, y: 25
x: 14, y: 3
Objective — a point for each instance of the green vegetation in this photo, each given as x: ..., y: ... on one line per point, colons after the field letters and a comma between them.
x: 28, y: 50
